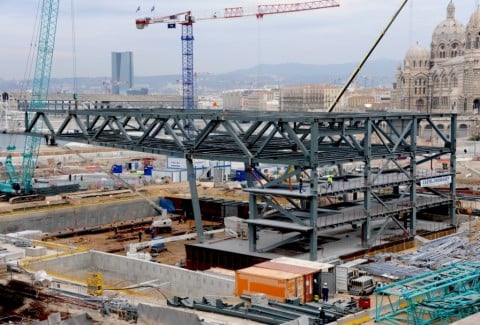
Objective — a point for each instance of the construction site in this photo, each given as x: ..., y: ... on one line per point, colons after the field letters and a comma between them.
x: 179, y: 215
x: 145, y: 239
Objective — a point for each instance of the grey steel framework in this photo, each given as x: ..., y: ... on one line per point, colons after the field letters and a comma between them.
x: 305, y: 142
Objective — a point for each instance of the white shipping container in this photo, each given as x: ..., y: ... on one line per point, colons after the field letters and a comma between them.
x: 343, y: 273
x: 175, y: 175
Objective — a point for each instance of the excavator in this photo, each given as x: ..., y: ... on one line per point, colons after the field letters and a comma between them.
x: 18, y: 187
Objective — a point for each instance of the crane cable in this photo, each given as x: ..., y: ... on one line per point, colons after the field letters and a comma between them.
x: 410, y: 24
x: 259, y: 53
x: 30, y: 58
x: 27, y: 75
x: 74, y: 51
x: 365, y: 58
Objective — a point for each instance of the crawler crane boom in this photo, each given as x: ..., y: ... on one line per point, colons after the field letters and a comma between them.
x: 19, y: 186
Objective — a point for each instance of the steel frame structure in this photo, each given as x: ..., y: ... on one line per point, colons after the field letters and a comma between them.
x: 302, y: 140
x: 437, y: 297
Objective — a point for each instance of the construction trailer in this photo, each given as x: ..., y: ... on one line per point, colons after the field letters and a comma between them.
x: 275, y: 284
x: 310, y: 276
x: 323, y: 272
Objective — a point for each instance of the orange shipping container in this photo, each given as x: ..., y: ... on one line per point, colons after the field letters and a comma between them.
x: 307, y: 274
x: 275, y: 284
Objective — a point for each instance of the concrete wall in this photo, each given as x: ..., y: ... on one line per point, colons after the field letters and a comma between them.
x: 152, y: 315
x: 56, y: 220
x: 128, y: 271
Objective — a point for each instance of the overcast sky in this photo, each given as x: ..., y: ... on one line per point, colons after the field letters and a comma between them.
x: 335, y: 35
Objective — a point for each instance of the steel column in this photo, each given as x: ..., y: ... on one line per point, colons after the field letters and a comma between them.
x: 253, y: 212
x: 367, y: 174
x: 192, y: 181
x: 453, y: 167
x: 313, y: 199
x: 413, y: 176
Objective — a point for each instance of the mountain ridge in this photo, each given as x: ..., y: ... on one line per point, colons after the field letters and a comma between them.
x: 374, y: 74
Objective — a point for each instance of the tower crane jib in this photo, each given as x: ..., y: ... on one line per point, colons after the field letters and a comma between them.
x: 186, y: 19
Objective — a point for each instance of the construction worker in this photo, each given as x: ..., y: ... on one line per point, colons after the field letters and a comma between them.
x: 330, y: 182
x: 322, y: 316
x: 325, y: 291
x: 300, y: 185
x: 5, y: 97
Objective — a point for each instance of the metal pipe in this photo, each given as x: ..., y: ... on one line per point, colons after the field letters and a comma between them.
x: 357, y: 70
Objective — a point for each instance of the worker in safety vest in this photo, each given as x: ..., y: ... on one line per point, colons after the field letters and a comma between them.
x: 330, y: 182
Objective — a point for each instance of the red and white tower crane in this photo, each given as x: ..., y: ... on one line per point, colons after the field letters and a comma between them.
x: 186, y: 20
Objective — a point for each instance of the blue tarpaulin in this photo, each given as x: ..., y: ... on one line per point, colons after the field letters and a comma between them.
x: 167, y: 205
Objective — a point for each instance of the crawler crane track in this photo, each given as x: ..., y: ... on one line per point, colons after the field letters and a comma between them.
x: 27, y: 198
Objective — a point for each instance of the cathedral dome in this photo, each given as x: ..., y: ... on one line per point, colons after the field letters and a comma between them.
x: 474, y: 22
x: 417, y: 52
x: 450, y: 29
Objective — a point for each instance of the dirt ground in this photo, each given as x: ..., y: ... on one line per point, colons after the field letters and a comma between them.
x: 174, y: 254
x: 118, y: 243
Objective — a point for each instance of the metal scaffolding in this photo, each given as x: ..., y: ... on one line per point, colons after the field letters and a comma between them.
x: 437, y: 297
x: 303, y: 142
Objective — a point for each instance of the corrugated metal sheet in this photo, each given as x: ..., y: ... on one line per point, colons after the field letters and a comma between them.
x: 342, y: 279
x: 354, y: 263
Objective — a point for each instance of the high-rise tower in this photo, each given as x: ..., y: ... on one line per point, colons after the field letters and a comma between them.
x: 122, y: 72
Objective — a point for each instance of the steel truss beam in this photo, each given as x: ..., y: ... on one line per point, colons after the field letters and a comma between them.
x: 437, y: 297
x: 306, y: 141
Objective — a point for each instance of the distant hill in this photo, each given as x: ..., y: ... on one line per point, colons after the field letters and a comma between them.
x: 374, y: 73
x: 378, y: 72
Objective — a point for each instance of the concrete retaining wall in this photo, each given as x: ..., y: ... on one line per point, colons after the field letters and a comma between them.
x: 127, y: 271
x: 56, y: 220
x: 152, y: 315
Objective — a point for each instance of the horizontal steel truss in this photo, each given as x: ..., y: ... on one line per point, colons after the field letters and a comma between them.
x: 304, y: 140
x: 437, y: 297
x: 271, y: 137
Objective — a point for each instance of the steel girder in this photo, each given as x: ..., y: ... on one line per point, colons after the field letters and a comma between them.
x: 268, y: 138
x: 304, y: 140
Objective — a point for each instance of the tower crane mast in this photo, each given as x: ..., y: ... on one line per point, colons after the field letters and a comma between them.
x: 186, y: 19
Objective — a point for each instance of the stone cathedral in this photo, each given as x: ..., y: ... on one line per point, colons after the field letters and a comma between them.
x: 448, y: 76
